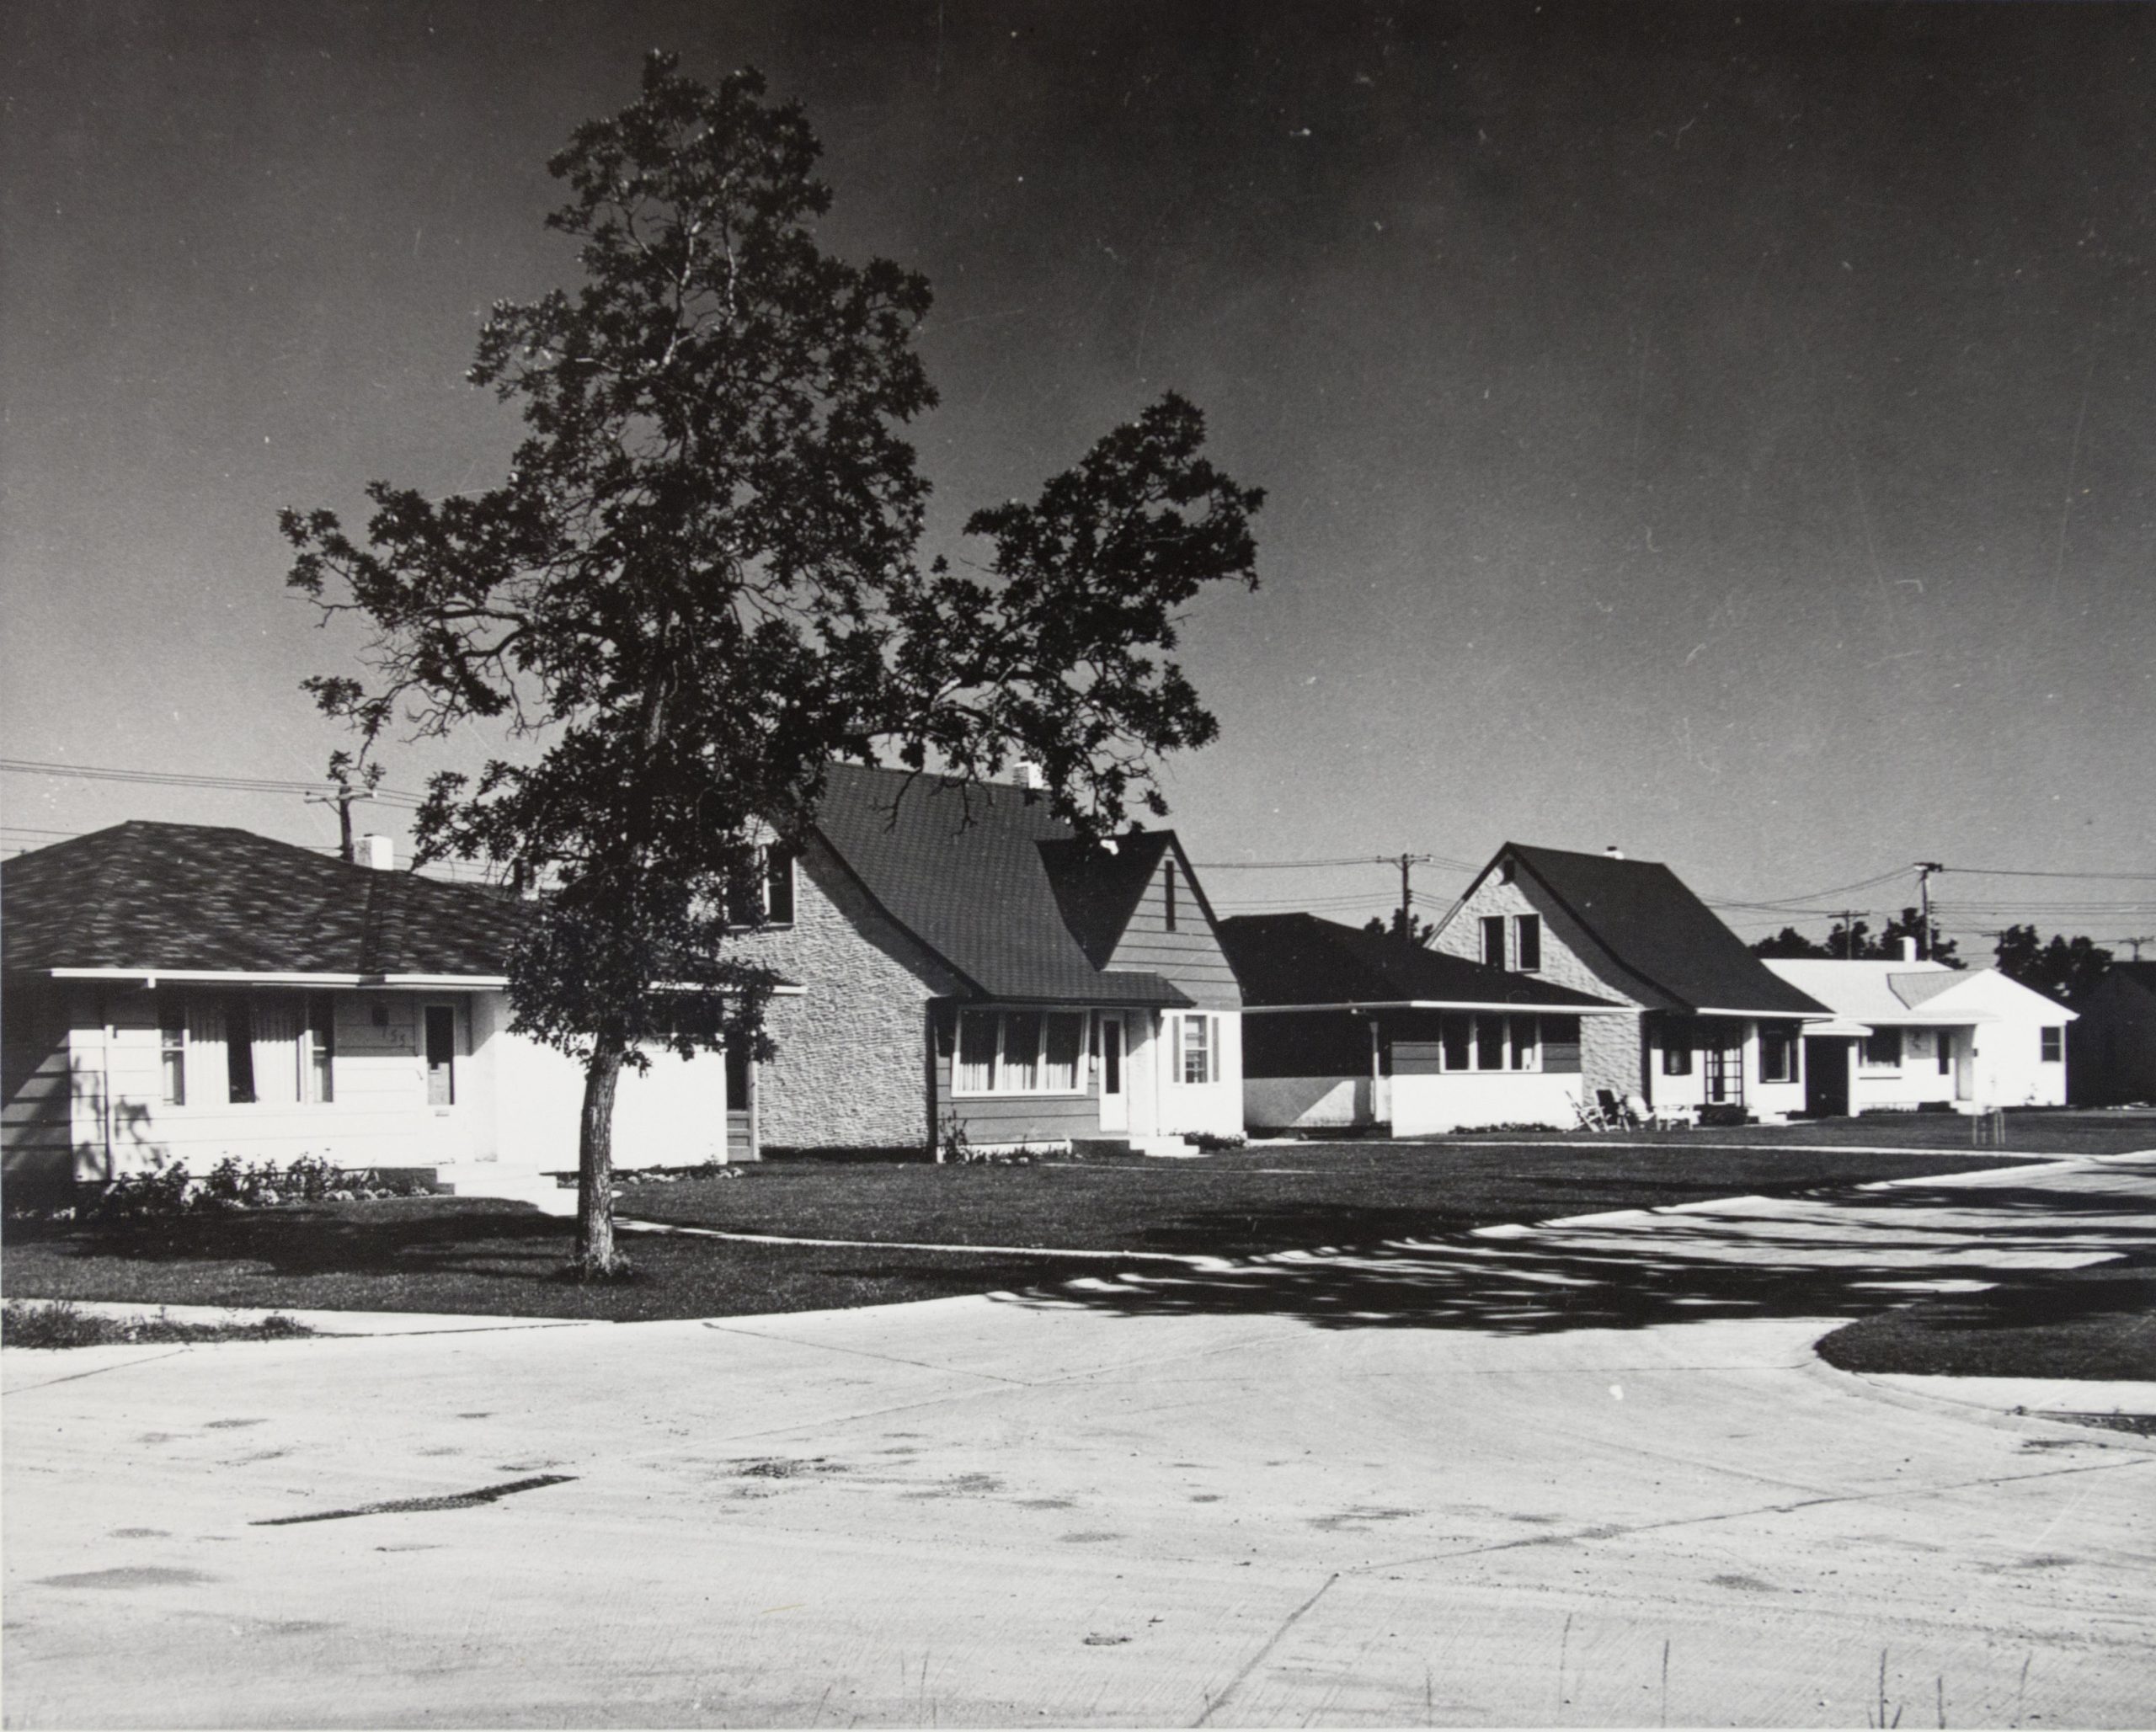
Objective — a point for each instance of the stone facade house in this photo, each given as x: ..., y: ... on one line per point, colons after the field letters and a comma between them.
x: 1711, y: 1030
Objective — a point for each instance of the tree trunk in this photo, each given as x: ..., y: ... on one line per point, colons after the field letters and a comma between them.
x: 596, y: 1255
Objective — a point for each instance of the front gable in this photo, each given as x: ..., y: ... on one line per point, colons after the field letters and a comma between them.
x: 1170, y: 931
x: 1570, y: 955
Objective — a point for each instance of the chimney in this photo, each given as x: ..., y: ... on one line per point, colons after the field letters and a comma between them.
x: 1614, y: 851
x: 1908, y: 949
x: 1026, y: 774
x: 378, y: 852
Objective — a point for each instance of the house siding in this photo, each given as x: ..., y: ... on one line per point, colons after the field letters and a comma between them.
x: 1613, y: 1048
x: 849, y: 1070
x: 1190, y: 956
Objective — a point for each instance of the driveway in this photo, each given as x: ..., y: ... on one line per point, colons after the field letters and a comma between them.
x: 1585, y: 1472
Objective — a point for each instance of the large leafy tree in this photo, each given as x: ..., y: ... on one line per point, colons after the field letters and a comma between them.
x: 697, y: 586
x: 2065, y: 969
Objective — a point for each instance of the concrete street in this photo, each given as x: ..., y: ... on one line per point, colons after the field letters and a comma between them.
x: 1590, y: 1473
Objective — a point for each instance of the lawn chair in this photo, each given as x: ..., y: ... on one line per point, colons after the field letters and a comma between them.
x: 1592, y: 1116
x: 1616, y: 1111
x: 1654, y: 1118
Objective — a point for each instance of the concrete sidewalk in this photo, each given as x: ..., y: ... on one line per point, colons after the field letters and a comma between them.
x: 1169, y: 1499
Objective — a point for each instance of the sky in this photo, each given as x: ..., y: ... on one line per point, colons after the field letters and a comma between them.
x: 1723, y: 433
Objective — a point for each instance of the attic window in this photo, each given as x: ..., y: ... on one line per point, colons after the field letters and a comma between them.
x: 1168, y: 883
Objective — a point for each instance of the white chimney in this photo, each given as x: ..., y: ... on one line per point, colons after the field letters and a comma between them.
x: 1026, y: 774
x: 1614, y: 851
x: 378, y: 852
x: 1908, y: 949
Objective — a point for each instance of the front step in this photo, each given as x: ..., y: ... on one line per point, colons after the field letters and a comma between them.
x: 1166, y: 1147
x: 510, y: 1184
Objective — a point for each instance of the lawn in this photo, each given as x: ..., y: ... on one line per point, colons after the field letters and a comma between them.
x: 477, y: 1255
x: 2039, y: 1131
x: 2098, y: 1322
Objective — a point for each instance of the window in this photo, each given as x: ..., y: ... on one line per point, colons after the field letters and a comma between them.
x: 1168, y: 883
x: 1946, y: 1053
x: 2052, y: 1045
x: 1677, y: 1049
x: 1198, y: 1056
x: 320, y: 1046
x: 172, y: 1052
x: 1493, y: 940
x: 1777, y: 1054
x: 442, y: 1055
x: 1020, y: 1053
x: 778, y: 885
x: 1882, y: 1049
x: 239, y: 1051
x: 1488, y: 1042
x: 1527, y: 943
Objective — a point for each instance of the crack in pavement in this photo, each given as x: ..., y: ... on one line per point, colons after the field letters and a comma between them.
x: 1614, y: 1531
x: 1214, y: 1704
x: 78, y: 1377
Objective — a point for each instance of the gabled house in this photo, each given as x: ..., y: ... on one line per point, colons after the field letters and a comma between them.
x: 2111, y: 1055
x: 957, y: 969
x: 181, y: 992
x: 972, y: 972
x: 1349, y: 1030
x: 1921, y: 1035
x: 1711, y: 1030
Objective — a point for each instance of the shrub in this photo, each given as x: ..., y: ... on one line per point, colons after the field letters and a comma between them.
x: 58, y: 1323
x: 1213, y: 1142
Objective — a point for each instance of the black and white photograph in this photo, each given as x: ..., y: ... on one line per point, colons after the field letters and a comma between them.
x: 1078, y: 863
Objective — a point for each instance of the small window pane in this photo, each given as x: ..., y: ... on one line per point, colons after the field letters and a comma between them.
x: 1168, y: 882
x: 778, y: 885
x: 1022, y: 1052
x: 1455, y: 1033
x: 1527, y: 938
x: 1883, y: 1047
x: 1197, y: 1051
x: 1776, y: 1056
x: 322, y: 1048
x: 1677, y: 1050
x: 1489, y: 1043
x: 1066, y: 1037
x: 239, y: 1051
x: 2054, y: 1046
x: 976, y: 1052
x: 1523, y: 1043
x: 442, y: 1055
x: 1493, y: 940
x: 172, y: 1053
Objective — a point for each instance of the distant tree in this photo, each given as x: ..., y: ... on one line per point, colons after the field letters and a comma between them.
x: 1931, y: 945
x: 2064, y: 968
x: 1421, y: 933
x: 1854, y: 940
x: 696, y: 587
x: 1789, y: 942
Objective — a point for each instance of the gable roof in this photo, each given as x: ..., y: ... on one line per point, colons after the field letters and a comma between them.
x: 1299, y: 959
x: 1645, y: 917
x: 987, y: 879
x: 1896, y: 994
x: 185, y: 898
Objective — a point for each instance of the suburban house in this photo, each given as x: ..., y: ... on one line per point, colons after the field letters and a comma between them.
x: 1348, y: 1030
x: 972, y: 973
x: 957, y: 969
x: 1921, y: 1035
x: 1709, y: 1031
x: 2112, y: 1052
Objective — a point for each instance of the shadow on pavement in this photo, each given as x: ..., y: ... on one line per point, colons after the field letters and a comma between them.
x: 1751, y: 1258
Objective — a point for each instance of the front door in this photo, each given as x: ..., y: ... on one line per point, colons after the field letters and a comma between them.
x: 1722, y: 1055
x: 1827, y: 1076
x: 1115, y: 1098
x: 1965, y: 1063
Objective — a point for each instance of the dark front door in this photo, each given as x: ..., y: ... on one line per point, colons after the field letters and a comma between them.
x: 1827, y: 1076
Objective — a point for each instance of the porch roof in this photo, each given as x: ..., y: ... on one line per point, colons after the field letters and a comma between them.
x: 1301, y: 962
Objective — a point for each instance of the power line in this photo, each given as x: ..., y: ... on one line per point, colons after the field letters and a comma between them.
x: 181, y: 779
x: 2016, y: 872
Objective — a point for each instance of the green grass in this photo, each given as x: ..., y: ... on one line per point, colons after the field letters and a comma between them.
x: 482, y: 1256
x: 2033, y: 1131
x: 58, y: 1323
x: 2098, y: 1322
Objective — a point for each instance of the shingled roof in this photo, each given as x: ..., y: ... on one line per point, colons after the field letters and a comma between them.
x: 1679, y: 956
x: 965, y: 867
x: 200, y: 898
x: 1299, y: 959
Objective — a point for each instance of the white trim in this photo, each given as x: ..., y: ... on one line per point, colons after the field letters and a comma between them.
x: 1763, y: 1015
x: 1451, y: 1005
x: 363, y: 983
x: 1083, y: 1088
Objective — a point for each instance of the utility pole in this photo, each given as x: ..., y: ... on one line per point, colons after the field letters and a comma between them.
x: 1407, y: 863
x: 341, y: 780
x: 1925, y: 868
x: 2145, y: 938
x: 1848, y: 934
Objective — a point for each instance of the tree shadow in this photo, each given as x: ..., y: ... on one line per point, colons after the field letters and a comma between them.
x: 1781, y: 1258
